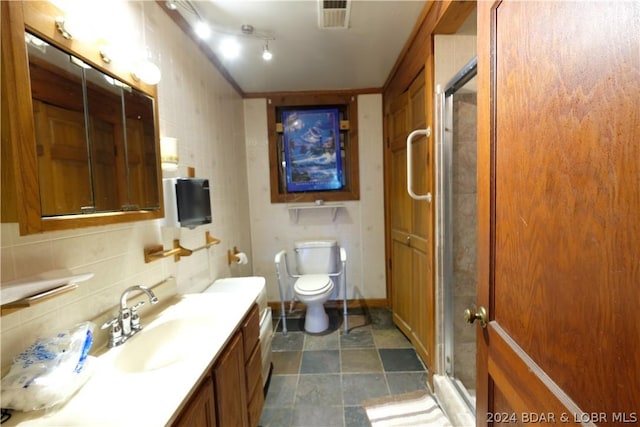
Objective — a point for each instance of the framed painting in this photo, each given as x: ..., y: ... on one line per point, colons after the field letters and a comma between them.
x: 312, y: 149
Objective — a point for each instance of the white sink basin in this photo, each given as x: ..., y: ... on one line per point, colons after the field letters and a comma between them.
x: 180, y: 339
x: 163, y: 344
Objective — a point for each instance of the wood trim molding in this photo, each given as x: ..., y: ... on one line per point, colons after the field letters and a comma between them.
x: 512, y: 370
x: 438, y: 17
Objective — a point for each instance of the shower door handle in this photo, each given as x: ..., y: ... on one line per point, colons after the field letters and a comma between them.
x: 426, y: 132
x: 481, y: 315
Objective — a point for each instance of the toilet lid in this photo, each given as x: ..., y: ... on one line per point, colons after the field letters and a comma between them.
x: 313, y: 284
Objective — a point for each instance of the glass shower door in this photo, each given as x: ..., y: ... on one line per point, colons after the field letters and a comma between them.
x: 460, y: 229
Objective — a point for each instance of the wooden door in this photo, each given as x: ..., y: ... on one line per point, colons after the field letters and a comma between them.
x: 422, y: 295
x: 410, y: 220
x: 399, y: 212
x: 62, y: 156
x: 559, y: 203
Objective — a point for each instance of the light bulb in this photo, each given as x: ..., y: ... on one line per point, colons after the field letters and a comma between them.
x: 148, y: 72
x: 266, y: 53
x: 230, y: 48
x: 202, y: 30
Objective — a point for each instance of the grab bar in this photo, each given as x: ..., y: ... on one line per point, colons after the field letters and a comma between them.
x: 426, y: 132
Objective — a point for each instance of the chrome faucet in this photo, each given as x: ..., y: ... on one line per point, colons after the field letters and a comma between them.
x: 127, y: 324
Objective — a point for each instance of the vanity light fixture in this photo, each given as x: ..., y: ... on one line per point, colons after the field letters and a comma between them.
x: 62, y: 29
x: 105, y: 53
x: 145, y: 69
x: 171, y: 4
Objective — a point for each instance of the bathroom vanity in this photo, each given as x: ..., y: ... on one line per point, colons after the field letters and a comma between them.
x: 196, y: 363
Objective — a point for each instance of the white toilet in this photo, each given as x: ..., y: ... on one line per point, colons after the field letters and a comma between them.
x: 315, y: 261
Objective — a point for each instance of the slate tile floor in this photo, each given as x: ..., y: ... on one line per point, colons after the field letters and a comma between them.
x: 321, y: 380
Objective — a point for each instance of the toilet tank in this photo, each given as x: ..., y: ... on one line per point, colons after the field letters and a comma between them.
x: 317, y: 256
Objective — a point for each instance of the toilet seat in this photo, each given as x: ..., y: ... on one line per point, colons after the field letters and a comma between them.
x: 313, y: 284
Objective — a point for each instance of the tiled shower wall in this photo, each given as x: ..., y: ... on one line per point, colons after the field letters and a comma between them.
x: 197, y: 106
x: 465, y: 222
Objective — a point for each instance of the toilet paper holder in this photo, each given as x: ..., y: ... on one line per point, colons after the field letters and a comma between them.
x: 235, y: 256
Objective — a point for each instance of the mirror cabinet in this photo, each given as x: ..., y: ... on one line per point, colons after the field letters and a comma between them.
x: 80, y: 144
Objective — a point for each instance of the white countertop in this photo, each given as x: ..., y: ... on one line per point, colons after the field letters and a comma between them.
x: 150, y: 397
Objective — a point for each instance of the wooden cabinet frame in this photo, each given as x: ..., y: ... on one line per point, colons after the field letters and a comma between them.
x: 20, y: 185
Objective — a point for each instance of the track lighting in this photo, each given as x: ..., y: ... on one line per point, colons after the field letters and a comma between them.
x: 266, y: 53
x: 202, y: 30
x: 230, y: 48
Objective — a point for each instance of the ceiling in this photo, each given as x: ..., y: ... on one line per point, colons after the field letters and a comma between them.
x: 306, y: 57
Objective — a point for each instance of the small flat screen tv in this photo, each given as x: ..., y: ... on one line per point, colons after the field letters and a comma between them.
x: 193, y: 202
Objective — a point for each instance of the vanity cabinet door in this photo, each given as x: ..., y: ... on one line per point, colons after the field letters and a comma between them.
x: 230, y: 389
x: 201, y: 409
x: 253, y: 364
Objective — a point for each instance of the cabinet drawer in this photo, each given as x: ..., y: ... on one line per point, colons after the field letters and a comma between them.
x: 250, y: 331
x: 255, y: 407
x: 254, y: 370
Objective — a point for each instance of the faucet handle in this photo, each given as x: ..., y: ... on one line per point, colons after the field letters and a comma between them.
x: 109, y: 323
x: 115, y: 336
x: 135, y: 317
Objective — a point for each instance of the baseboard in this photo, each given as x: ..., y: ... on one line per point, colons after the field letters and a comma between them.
x: 352, y: 303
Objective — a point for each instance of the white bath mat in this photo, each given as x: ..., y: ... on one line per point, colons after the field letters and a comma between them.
x: 404, y: 410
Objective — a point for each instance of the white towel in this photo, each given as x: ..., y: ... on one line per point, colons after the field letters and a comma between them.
x: 411, y: 409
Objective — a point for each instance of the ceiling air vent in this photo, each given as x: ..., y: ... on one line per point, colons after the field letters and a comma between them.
x: 334, y: 14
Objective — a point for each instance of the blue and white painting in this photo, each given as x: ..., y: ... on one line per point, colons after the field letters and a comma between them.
x: 312, y: 149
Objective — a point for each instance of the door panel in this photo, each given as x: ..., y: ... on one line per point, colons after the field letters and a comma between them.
x: 400, y: 200
x: 422, y: 291
x: 62, y: 155
x: 402, y: 286
x: 421, y: 219
x: 559, y: 85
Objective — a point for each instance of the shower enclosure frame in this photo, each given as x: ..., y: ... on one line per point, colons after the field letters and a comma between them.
x: 444, y: 111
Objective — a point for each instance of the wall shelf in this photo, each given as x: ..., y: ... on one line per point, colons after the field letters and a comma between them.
x: 294, y: 210
x: 23, y: 293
